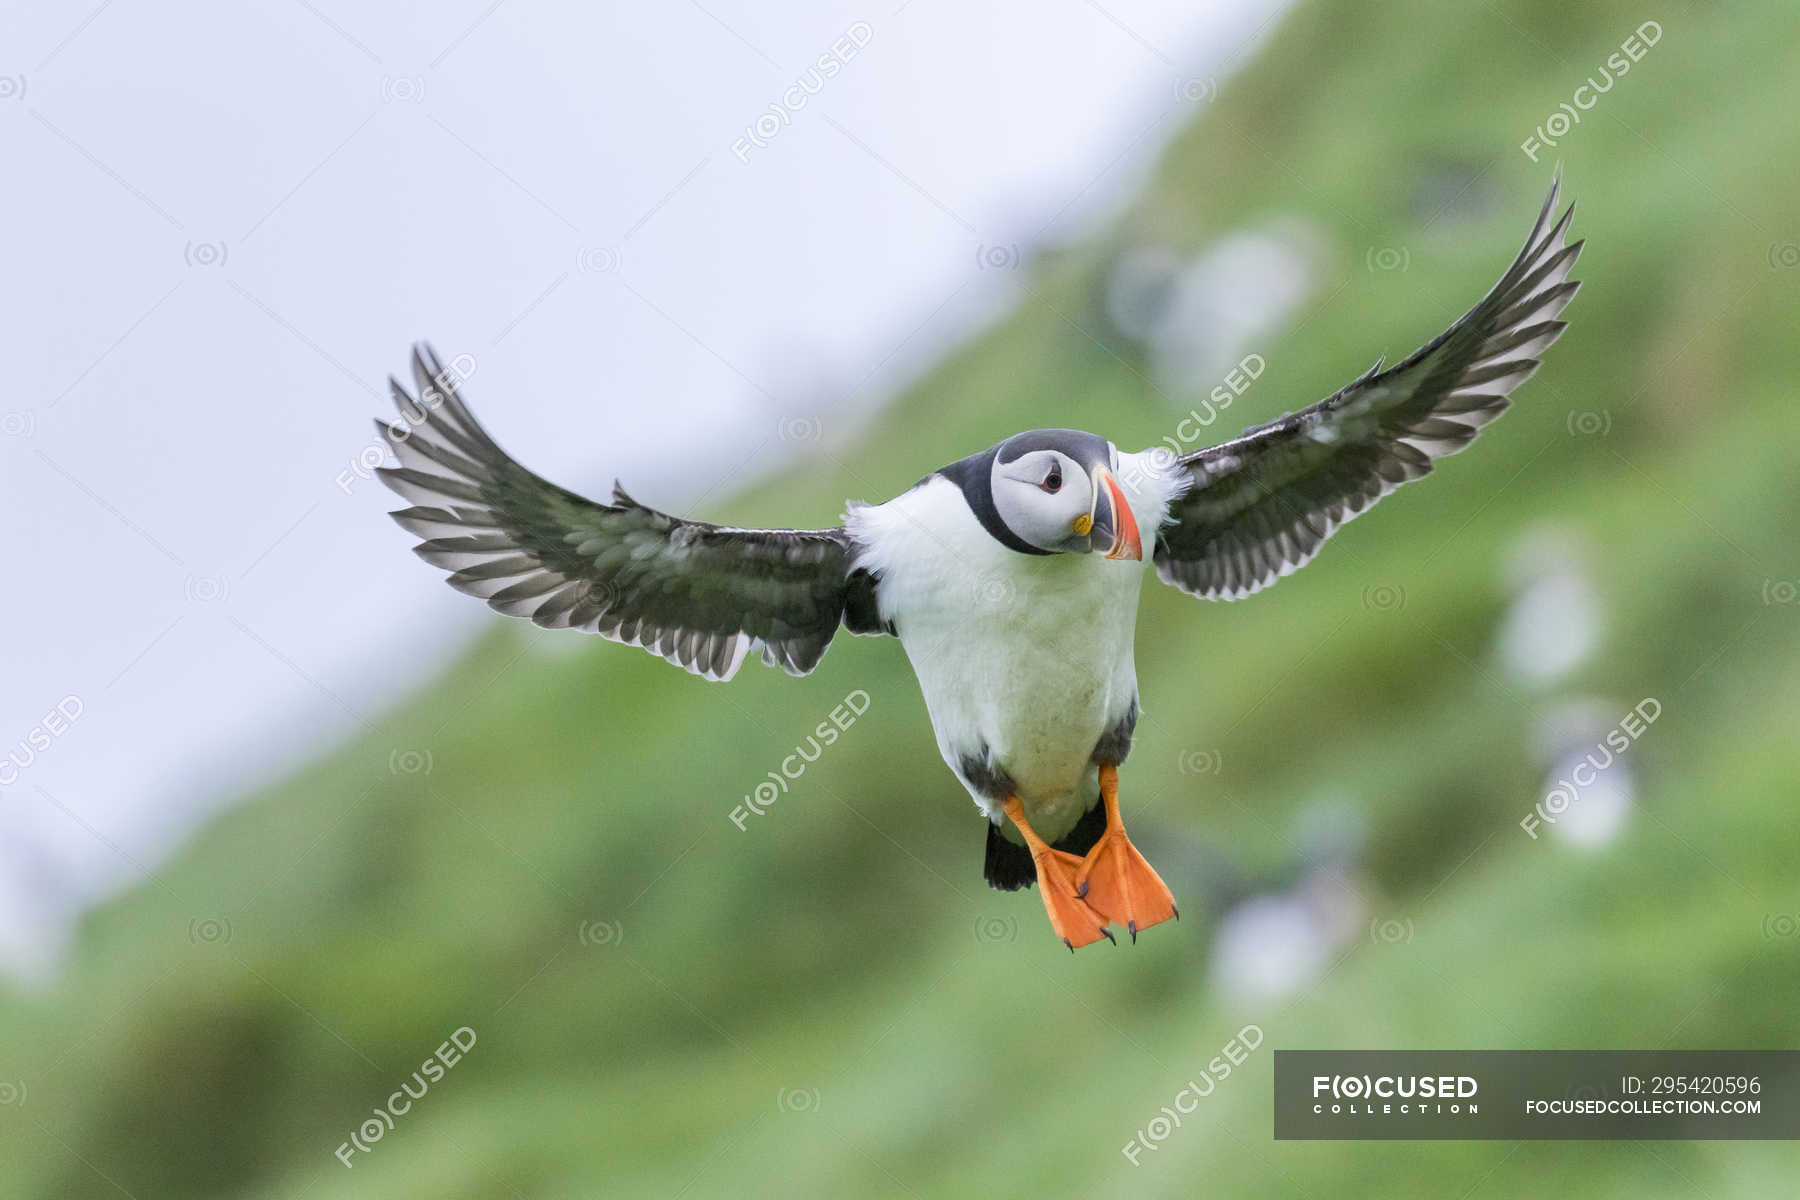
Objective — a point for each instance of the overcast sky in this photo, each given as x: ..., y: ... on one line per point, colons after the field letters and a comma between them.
x: 657, y: 249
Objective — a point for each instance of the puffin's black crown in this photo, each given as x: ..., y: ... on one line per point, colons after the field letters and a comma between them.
x: 1089, y: 449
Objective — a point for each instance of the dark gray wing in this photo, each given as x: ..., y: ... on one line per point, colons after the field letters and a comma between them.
x: 701, y: 596
x: 1260, y: 506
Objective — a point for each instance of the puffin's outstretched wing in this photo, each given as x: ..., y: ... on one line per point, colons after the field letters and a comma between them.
x: 1260, y: 506
x: 701, y: 596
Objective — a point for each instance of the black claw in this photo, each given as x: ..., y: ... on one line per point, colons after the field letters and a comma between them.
x: 1081, y: 889
x: 1070, y: 945
x: 1132, y: 925
x: 1175, y: 910
x: 1109, y: 936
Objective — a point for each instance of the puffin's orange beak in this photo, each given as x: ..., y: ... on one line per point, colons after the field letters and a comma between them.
x: 1112, y: 519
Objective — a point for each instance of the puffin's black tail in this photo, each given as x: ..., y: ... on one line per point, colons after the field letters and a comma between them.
x: 1009, y: 868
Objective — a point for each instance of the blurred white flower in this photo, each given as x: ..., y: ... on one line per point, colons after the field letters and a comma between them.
x: 1555, y: 621
x: 1198, y: 318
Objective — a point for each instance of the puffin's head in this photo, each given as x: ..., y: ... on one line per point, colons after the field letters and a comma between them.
x: 1054, y: 490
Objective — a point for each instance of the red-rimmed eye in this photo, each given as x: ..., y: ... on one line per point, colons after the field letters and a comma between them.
x: 1053, y: 481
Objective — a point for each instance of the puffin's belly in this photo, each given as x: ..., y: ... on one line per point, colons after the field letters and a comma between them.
x: 1024, y: 657
x: 1036, y: 672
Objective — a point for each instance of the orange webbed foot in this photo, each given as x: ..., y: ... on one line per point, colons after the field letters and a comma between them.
x: 1071, y: 918
x: 1074, y: 920
x: 1114, y: 879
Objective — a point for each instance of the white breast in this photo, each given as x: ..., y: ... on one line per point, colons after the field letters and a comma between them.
x: 1029, y: 657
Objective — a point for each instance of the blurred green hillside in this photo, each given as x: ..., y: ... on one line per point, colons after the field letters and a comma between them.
x: 829, y: 1001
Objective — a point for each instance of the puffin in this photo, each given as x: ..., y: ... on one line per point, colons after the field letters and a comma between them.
x: 1010, y: 578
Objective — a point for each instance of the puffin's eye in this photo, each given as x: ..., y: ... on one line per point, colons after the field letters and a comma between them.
x: 1053, y: 481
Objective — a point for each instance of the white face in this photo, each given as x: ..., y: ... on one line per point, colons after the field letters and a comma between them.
x: 1047, y: 499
